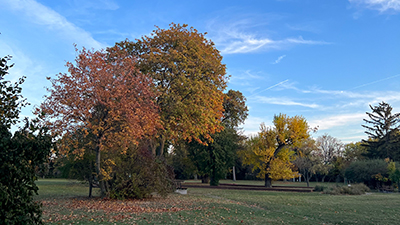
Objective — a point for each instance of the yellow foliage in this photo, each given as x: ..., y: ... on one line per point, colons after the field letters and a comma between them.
x: 269, y: 150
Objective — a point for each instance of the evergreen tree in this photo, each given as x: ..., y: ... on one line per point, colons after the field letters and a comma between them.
x: 382, y: 129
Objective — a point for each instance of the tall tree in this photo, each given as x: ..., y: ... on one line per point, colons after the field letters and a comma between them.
x: 382, y: 129
x: 214, y: 159
x: 189, y: 77
x: 270, y: 151
x: 106, y: 95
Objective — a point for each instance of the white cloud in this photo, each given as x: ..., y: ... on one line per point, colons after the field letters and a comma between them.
x: 337, y: 121
x: 283, y: 101
x: 44, y: 16
x: 252, y: 125
x: 235, y: 37
x: 278, y: 60
x: 245, y: 43
x: 380, y: 5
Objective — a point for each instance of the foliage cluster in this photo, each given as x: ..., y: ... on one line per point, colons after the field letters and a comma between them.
x: 271, y: 151
x: 152, y: 93
x: 138, y: 174
x: 353, y: 189
x: 21, y: 153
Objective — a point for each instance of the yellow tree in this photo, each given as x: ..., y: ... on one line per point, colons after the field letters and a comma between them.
x: 270, y: 150
x: 189, y: 77
x: 107, y: 97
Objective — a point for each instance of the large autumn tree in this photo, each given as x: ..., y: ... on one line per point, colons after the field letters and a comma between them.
x: 105, y: 95
x: 189, y: 77
x: 270, y: 150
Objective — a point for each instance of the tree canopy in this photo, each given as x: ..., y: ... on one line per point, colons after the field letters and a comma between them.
x: 105, y: 95
x: 269, y: 150
x: 189, y: 77
x: 11, y: 100
x: 20, y: 154
x: 382, y: 129
x: 214, y: 159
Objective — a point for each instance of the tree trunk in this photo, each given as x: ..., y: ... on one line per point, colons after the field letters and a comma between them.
x: 323, y: 178
x: 234, y: 173
x: 205, y: 179
x: 162, y: 144
x: 307, y: 178
x: 98, y: 172
x: 90, y: 185
x: 268, y: 181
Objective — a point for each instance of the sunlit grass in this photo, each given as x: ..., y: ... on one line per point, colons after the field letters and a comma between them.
x: 216, y: 206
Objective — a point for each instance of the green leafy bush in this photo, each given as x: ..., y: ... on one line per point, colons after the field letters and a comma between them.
x: 20, y: 154
x: 365, y: 171
x: 139, y: 174
x: 319, y: 188
x: 354, y: 189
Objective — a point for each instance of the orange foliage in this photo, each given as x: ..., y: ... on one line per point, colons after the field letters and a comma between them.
x: 105, y: 94
x: 189, y: 77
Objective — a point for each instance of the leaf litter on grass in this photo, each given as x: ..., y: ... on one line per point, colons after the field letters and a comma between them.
x: 104, y: 209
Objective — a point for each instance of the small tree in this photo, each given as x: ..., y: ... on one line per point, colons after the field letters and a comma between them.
x: 327, y: 151
x: 270, y: 151
x: 306, y: 162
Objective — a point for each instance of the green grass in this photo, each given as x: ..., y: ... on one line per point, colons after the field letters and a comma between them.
x: 212, y: 206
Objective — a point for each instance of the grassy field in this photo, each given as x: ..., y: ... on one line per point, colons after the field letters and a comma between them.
x: 65, y: 202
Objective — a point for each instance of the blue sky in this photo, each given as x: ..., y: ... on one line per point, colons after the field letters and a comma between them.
x: 324, y: 60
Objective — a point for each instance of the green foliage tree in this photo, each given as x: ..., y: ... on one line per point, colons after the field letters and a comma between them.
x: 271, y: 150
x: 11, y: 100
x: 76, y: 163
x: 382, y: 129
x: 214, y: 159
x: 20, y: 155
x: 354, y: 151
x: 189, y: 78
x: 394, y: 173
x: 366, y: 171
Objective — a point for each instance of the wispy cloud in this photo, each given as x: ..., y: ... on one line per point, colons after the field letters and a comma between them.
x: 270, y: 87
x: 278, y: 60
x: 235, y: 37
x: 245, y: 43
x: 337, y: 120
x: 52, y: 20
x: 380, y: 5
x: 374, y: 82
x: 283, y: 101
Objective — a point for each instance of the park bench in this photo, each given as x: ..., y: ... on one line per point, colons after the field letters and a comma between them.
x: 178, y: 184
x: 386, y: 188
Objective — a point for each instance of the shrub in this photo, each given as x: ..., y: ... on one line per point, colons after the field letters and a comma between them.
x: 20, y: 154
x: 319, y: 188
x: 354, y: 189
x: 139, y: 174
x: 365, y: 171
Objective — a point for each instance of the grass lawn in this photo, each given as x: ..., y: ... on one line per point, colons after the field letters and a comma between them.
x: 65, y: 202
